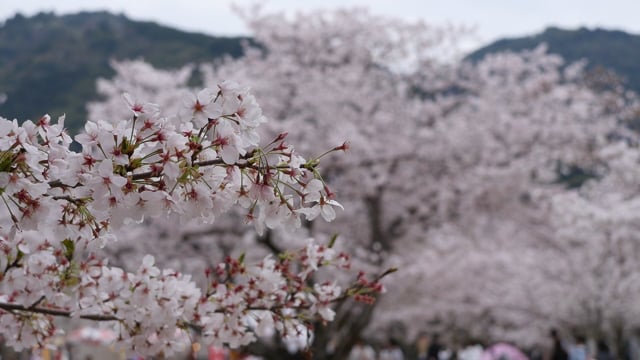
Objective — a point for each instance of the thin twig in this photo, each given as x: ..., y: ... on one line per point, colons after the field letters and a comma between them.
x: 55, y: 312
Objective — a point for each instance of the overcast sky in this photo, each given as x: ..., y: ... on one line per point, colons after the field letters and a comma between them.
x: 492, y: 19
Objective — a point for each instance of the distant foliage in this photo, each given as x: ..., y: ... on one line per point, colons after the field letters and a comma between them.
x: 479, y: 181
x: 49, y: 63
x: 615, y: 50
x: 48, y: 52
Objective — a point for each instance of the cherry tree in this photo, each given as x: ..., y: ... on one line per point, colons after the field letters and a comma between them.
x: 596, y: 231
x: 453, y: 172
x: 60, y: 208
x: 483, y: 148
x: 352, y: 82
x: 357, y: 85
x: 573, y: 268
x: 525, y: 121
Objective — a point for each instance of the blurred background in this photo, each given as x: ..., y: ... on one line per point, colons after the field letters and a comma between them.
x: 493, y: 155
x: 60, y: 48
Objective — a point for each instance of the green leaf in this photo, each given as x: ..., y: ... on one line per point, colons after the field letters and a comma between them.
x: 70, y: 277
x: 69, y: 248
x: 6, y: 160
x: 332, y: 242
x: 126, y: 147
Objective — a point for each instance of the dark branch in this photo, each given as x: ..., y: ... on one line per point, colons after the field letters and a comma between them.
x: 54, y: 312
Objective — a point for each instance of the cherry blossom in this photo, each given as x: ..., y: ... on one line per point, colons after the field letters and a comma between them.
x: 455, y: 174
x: 61, y: 209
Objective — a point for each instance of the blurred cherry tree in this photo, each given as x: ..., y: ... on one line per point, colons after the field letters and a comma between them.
x: 471, y: 178
x: 63, y: 210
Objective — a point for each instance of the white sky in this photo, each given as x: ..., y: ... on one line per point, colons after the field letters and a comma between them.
x: 492, y: 19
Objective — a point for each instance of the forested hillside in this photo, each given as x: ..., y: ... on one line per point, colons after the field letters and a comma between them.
x: 615, y: 50
x: 49, y: 64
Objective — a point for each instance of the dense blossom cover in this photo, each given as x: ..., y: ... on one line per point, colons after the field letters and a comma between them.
x: 505, y: 190
x: 475, y: 179
x: 60, y: 208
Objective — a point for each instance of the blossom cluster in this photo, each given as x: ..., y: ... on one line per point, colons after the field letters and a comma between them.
x: 453, y: 173
x: 59, y: 207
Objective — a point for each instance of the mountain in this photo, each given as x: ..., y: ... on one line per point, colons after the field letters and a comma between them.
x: 49, y: 64
x: 615, y: 50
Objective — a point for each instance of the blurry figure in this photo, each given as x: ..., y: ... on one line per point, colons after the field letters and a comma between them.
x: 632, y: 345
x: 195, y: 349
x: 35, y: 354
x: 603, y: 352
x: 503, y: 351
x: 536, y: 352
x: 215, y: 353
x: 578, y: 351
x: 420, y: 349
x: 391, y: 351
x: 362, y: 351
x: 473, y: 352
x: 433, y: 352
x: 448, y: 354
x: 557, y: 351
x: 7, y: 352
